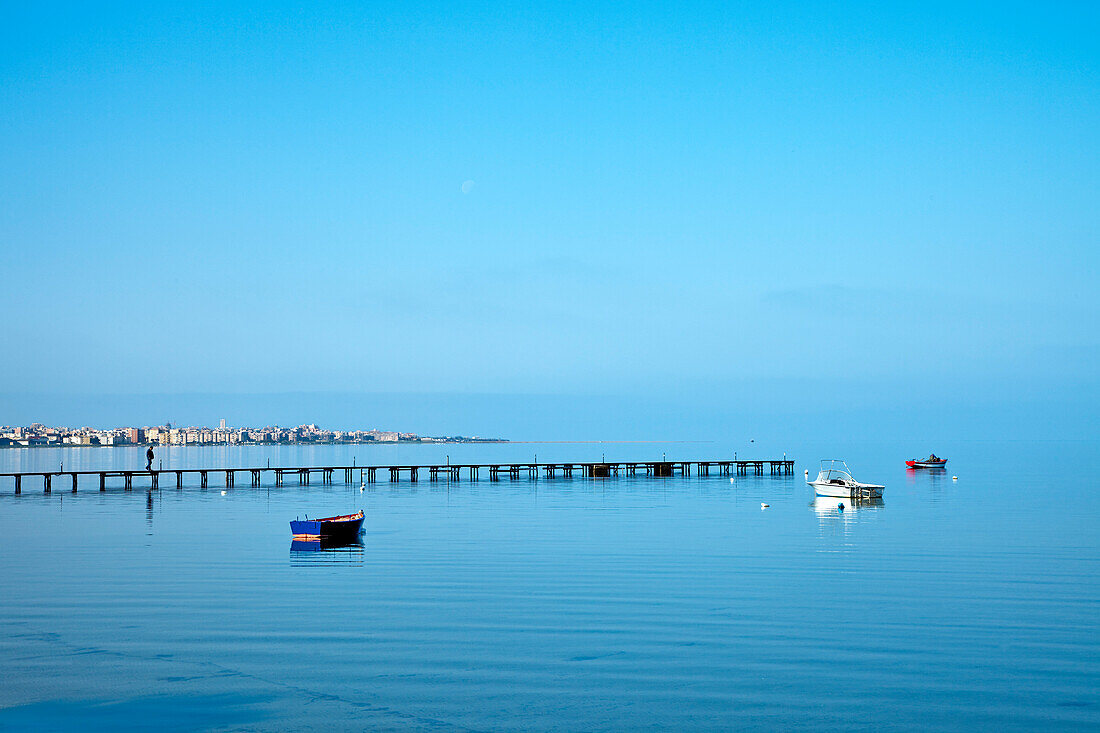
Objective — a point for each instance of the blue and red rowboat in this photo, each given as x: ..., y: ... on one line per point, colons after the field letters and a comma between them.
x: 345, y: 527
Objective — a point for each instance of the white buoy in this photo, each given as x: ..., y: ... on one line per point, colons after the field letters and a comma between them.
x: 806, y: 472
x: 731, y: 480
x: 764, y: 506
x: 223, y: 493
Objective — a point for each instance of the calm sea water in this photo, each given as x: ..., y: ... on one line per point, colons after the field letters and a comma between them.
x: 558, y: 604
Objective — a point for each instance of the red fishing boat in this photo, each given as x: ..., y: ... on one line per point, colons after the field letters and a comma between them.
x: 932, y: 461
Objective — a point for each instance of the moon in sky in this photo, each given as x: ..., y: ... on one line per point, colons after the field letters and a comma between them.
x: 467, y: 186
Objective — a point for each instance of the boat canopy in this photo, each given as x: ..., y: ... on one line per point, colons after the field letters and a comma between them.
x: 834, y: 468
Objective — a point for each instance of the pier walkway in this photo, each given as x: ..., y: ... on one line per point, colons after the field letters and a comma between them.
x: 433, y: 472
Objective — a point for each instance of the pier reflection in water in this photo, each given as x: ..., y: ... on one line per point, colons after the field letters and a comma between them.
x: 325, y: 552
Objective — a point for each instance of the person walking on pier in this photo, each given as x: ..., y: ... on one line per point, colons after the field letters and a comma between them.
x: 149, y: 459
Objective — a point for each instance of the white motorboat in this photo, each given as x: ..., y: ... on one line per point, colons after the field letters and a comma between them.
x: 835, y: 479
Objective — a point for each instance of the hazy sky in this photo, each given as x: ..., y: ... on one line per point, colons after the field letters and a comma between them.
x: 668, y: 199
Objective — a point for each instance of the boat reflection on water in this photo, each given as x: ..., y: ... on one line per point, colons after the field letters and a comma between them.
x: 911, y: 472
x: 831, y: 510
x: 833, y: 505
x: 933, y: 478
x: 326, y: 552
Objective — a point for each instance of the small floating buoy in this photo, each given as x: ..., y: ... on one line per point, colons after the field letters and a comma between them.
x: 731, y: 480
x: 361, y: 489
x: 764, y: 506
x: 954, y: 478
x: 806, y: 472
x: 223, y: 493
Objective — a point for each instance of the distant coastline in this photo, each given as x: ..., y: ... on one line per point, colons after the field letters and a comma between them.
x: 38, y: 435
x: 418, y: 441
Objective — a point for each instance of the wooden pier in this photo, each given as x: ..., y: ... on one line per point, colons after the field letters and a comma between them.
x: 434, y: 472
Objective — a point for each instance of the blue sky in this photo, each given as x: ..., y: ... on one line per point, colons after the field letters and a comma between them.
x: 795, y: 204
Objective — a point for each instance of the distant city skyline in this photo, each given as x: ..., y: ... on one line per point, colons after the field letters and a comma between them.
x: 39, y: 434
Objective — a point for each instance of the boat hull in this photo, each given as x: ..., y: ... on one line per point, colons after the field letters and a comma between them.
x: 332, y: 529
x: 926, y: 464
x: 844, y: 491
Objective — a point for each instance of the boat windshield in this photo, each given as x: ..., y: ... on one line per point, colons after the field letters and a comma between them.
x: 834, y: 468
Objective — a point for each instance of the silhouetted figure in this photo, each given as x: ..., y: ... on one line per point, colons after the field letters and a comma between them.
x: 149, y: 459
